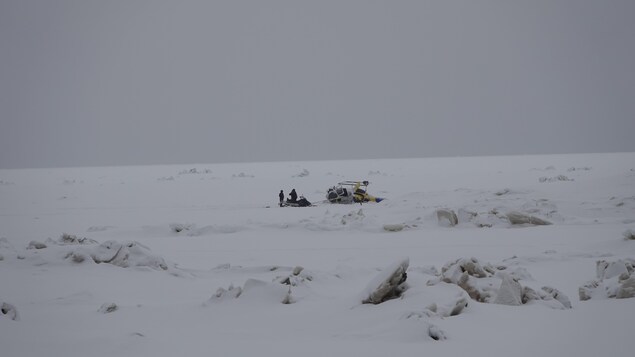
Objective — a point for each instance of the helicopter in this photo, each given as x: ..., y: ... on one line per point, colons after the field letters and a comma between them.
x: 348, y: 192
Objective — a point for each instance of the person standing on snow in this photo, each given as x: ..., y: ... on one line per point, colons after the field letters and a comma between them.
x: 281, y: 196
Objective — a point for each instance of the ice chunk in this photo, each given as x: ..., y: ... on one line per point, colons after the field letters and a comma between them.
x: 388, y: 284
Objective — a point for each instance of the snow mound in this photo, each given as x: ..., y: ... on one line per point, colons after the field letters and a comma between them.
x: 127, y: 254
x: 452, y: 271
x: 353, y: 218
x: 629, y: 234
x: 303, y: 173
x: 99, y: 228
x: 181, y: 227
x: 471, y: 276
x: 108, y: 307
x: 625, y: 202
x: 509, y: 191
x: 394, y: 227
x: 608, y: 270
x: 195, y: 171
x: 376, y: 173
x: 298, y: 277
x: 557, y: 295
x: 485, y: 219
x: 515, y: 217
x: 527, y: 214
x: 541, y: 207
x: 436, y: 333
x: 255, y: 292
x: 498, y: 284
x: 36, y: 245
x: 554, y: 179
x: 453, y: 308
x: 9, y: 311
x: 243, y: 175
x: 71, y: 239
x: 224, y: 294
x: 402, y: 226
x: 615, y: 280
x: 571, y: 169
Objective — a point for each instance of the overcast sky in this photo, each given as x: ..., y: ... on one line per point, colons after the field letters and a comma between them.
x: 120, y: 82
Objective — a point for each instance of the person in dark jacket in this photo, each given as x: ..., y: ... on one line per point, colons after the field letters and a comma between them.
x: 293, y: 195
x: 281, y: 196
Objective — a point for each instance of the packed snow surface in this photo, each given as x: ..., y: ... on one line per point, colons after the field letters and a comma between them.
x: 517, y: 256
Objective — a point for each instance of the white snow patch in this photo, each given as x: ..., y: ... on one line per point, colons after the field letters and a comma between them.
x: 320, y: 258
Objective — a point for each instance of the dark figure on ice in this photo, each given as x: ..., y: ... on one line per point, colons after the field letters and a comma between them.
x: 281, y: 196
x: 293, y: 195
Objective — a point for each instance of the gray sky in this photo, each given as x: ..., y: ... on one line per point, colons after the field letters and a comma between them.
x: 122, y: 82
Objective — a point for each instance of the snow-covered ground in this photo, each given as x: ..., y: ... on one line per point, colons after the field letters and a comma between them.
x: 199, y: 260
